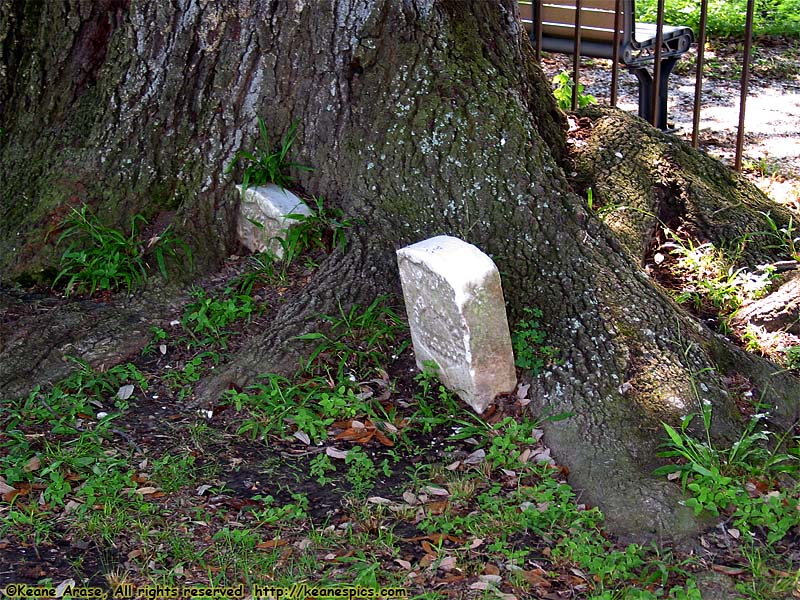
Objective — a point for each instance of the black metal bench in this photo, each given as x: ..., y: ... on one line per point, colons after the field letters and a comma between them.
x: 637, y: 42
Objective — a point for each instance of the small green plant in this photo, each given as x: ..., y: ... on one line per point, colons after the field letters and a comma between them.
x: 181, y: 381
x: 508, y: 439
x: 713, y: 281
x: 157, y: 341
x: 55, y: 440
x: 792, y: 357
x: 320, y: 465
x: 96, y: 384
x: 271, y: 514
x: 563, y: 92
x: 436, y: 405
x: 361, y: 341
x: 279, y: 407
x: 103, y: 258
x: 362, y: 471
x: 786, y: 238
x: 325, y: 228
x: 206, y: 318
x: 716, y: 477
x: 528, y: 341
x: 268, y: 164
x: 762, y: 167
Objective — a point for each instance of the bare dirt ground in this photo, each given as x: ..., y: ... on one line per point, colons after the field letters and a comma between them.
x: 772, y: 124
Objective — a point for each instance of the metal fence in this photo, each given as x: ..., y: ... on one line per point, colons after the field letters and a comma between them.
x: 605, y: 28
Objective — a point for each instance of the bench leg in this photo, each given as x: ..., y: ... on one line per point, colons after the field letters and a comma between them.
x: 646, y: 91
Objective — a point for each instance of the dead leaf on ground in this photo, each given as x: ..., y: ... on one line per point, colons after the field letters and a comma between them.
x: 378, y: 500
x: 270, y: 544
x: 476, y: 457
x: 536, y: 577
x: 427, y: 560
x: 435, y: 491
x: 381, y: 437
x: 4, y: 487
x: 360, y: 436
x: 440, y: 538
x: 726, y: 570
x: 448, y: 563
x: 480, y: 585
x: 61, y: 587
x: 335, y: 452
x: 409, y: 498
x: 125, y: 392
x: 438, y: 507
x: 302, y: 436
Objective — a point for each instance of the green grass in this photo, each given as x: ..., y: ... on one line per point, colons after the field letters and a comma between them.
x: 103, y: 258
x: 415, y: 482
x: 206, y: 318
x: 711, y: 279
x: 717, y: 478
x: 728, y: 17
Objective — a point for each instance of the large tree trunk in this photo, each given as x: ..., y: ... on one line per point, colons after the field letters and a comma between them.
x: 420, y: 117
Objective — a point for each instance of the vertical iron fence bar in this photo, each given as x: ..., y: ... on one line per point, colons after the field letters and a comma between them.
x: 748, y: 46
x: 657, y: 64
x: 576, y: 58
x: 615, y: 52
x: 698, y: 84
x: 536, y: 10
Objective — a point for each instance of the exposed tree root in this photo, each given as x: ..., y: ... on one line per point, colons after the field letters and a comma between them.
x: 643, y: 181
x: 356, y: 276
x: 36, y: 349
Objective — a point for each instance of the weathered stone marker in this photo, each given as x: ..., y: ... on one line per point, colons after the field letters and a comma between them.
x: 267, y: 205
x: 457, y: 317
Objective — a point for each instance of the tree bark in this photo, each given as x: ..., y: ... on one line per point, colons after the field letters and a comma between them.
x: 779, y: 311
x: 419, y: 117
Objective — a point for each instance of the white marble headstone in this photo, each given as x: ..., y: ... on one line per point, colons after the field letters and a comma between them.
x: 457, y: 317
